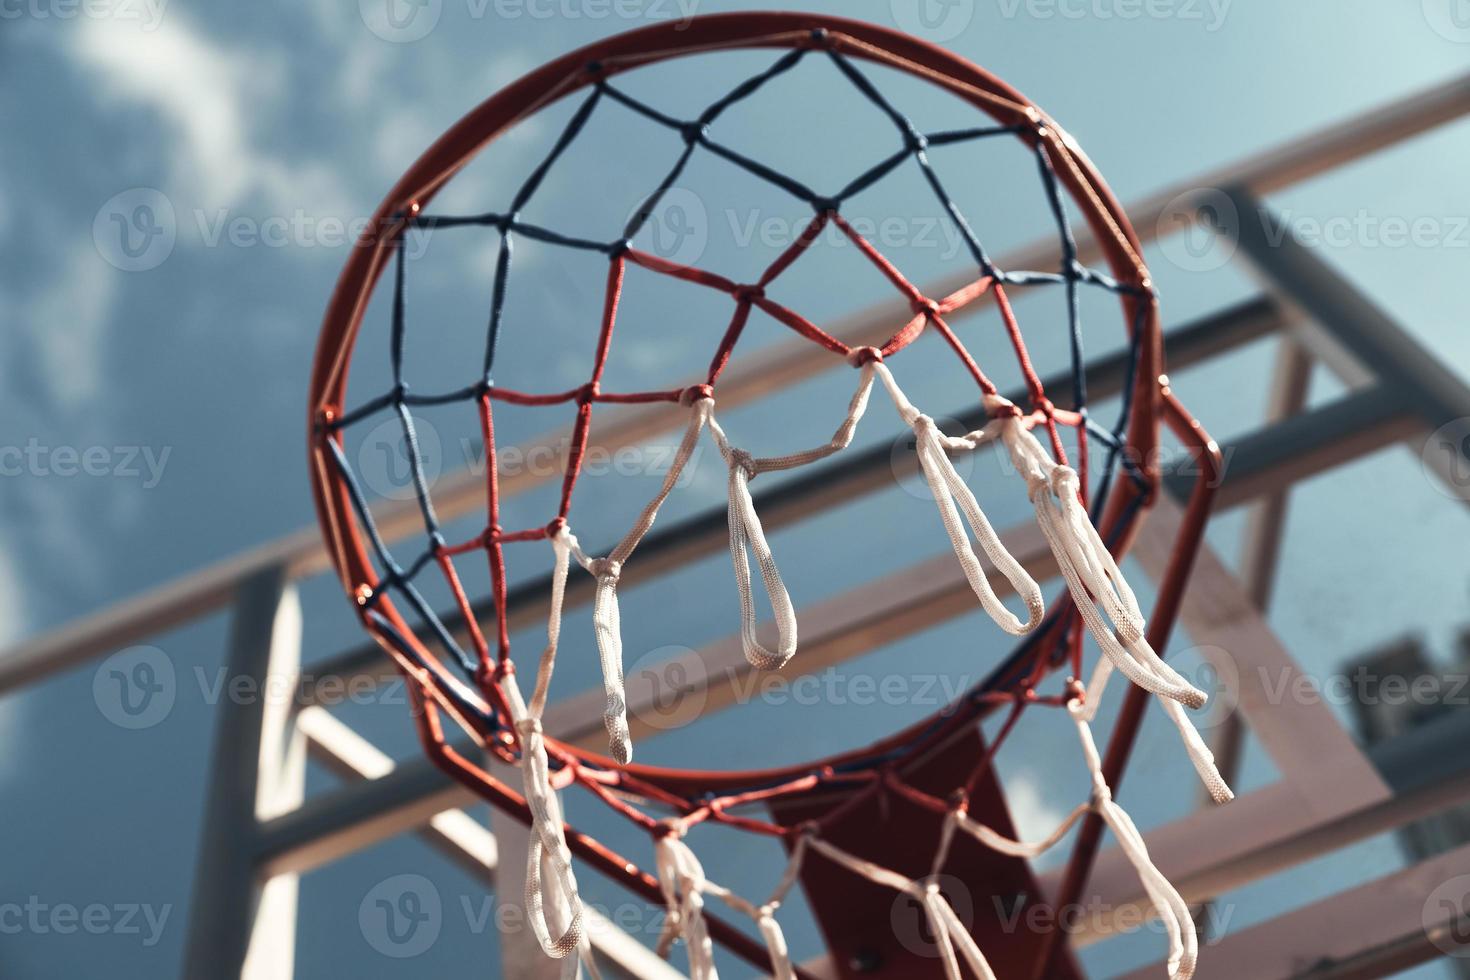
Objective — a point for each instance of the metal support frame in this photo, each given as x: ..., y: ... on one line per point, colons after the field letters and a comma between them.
x: 1261, y: 547
x: 243, y: 923
x: 1265, y: 524
x: 466, y: 842
x: 1376, y: 929
x: 1353, y: 322
x: 261, y: 834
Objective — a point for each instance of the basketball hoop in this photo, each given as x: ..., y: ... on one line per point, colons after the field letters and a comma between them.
x: 935, y: 781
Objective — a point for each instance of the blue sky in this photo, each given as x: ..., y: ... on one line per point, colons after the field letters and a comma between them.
x: 155, y: 392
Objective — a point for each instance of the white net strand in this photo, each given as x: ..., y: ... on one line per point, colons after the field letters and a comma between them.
x: 1091, y: 574
x: 952, y: 938
x: 1102, y: 671
x: 550, y: 882
x: 949, y: 489
x: 775, y: 940
x: 1166, y: 900
x: 606, y: 616
x: 681, y: 870
x: 561, y: 911
x: 940, y: 912
x: 951, y: 932
x: 607, y: 624
x: 765, y: 914
x: 547, y: 842
x: 746, y: 532
x: 1199, y: 753
x: 562, y: 543
x: 1016, y: 848
x: 1094, y: 579
x: 681, y: 877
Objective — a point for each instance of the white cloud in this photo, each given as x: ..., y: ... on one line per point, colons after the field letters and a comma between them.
x: 194, y: 85
x: 1033, y: 816
x: 67, y: 320
x: 332, y: 18
x: 361, y: 79
x: 363, y: 60
x: 402, y: 134
x: 209, y: 95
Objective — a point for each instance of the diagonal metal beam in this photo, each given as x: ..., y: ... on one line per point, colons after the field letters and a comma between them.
x: 1374, y: 930
x: 1307, y: 444
x: 1364, y: 331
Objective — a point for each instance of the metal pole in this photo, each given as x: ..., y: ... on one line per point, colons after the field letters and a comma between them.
x: 1364, y: 332
x: 239, y: 924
